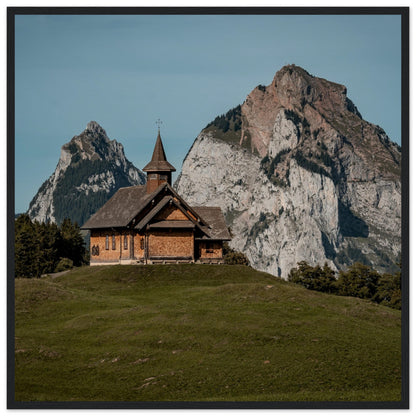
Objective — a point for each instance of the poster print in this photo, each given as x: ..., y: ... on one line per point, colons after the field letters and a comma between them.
x: 207, y: 208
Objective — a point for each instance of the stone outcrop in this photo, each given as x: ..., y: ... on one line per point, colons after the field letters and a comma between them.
x: 301, y: 176
x: 90, y: 170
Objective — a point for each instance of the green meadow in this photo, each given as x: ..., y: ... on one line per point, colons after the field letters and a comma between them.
x: 199, y: 333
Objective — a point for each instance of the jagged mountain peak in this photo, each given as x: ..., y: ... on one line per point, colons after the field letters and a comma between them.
x: 320, y: 120
x: 300, y: 176
x: 294, y: 88
x: 94, y: 127
x: 294, y: 74
x: 322, y: 114
x: 90, y: 169
x: 93, y: 143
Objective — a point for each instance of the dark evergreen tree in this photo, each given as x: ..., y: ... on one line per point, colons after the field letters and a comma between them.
x: 317, y: 278
x: 72, y: 245
x: 389, y: 290
x: 41, y: 247
x: 49, y: 238
x: 27, y: 248
x: 359, y: 280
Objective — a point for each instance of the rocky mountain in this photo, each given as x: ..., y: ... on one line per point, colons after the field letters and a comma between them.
x: 90, y: 170
x: 300, y: 176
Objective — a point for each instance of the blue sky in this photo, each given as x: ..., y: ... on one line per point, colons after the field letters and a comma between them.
x: 126, y: 71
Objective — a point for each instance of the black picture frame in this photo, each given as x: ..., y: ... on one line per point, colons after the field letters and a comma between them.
x: 12, y: 12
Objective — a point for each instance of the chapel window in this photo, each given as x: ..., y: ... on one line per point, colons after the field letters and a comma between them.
x: 106, y: 242
x: 113, y: 242
x: 125, y: 242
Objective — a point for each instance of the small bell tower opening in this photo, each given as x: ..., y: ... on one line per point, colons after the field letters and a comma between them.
x: 158, y: 170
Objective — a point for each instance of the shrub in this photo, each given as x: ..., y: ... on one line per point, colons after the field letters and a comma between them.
x: 236, y: 258
x: 233, y: 257
x: 389, y: 290
x: 64, y: 264
x: 321, y: 279
x: 359, y: 281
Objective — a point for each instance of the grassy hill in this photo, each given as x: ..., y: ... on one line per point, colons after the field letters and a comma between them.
x: 200, y: 333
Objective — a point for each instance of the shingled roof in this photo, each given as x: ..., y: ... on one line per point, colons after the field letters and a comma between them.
x: 124, y: 205
x: 121, y: 208
x: 217, y: 229
x: 159, y: 162
x: 127, y: 203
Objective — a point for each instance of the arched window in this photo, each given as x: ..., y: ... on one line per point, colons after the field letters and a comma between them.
x: 125, y: 242
x: 113, y: 242
x: 106, y: 242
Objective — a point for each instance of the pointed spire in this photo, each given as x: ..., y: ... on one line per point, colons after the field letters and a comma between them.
x: 159, y: 162
x: 159, y: 154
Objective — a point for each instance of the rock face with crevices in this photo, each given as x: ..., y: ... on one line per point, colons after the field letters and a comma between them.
x: 90, y: 170
x: 300, y: 176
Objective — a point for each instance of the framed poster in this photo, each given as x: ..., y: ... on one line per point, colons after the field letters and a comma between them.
x: 208, y: 207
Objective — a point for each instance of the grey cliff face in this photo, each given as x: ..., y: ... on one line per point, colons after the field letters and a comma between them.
x: 90, y: 169
x: 312, y: 190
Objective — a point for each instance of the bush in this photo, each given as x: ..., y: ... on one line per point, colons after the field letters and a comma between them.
x: 359, y: 281
x: 321, y: 279
x: 64, y: 264
x: 233, y: 257
x: 236, y: 258
x: 389, y: 290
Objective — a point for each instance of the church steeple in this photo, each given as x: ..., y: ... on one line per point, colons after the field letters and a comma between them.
x: 159, y: 170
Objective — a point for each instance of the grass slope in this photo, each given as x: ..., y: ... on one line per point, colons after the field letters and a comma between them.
x: 199, y: 332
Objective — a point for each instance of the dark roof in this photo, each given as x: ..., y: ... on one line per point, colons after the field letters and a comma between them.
x: 173, y: 224
x: 217, y: 229
x: 121, y: 208
x: 127, y: 203
x: 159, y: 162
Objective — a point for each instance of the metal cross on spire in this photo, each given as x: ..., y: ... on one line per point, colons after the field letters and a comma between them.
x: 158, y: 123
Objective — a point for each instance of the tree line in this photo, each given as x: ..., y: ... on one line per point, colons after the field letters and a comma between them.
x: 358, y: 280
x: 42, y: 248
x: 228, y: 121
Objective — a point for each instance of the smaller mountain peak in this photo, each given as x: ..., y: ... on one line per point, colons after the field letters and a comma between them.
x: 94, y: 127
